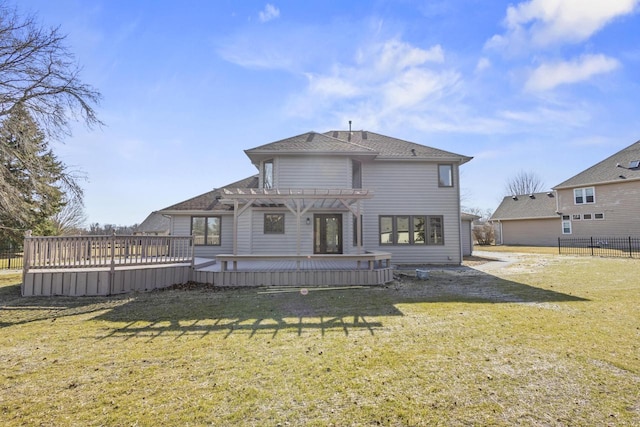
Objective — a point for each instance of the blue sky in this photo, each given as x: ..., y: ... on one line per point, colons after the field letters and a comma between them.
x: 544, y: 86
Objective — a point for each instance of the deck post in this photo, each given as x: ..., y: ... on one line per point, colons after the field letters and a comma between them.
x: 112, y: 271
x: 359, y: 228
x: 235, y: 227
x: 26, y: 256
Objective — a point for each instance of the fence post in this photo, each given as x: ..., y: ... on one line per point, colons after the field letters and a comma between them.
x: 630, y: 248
x: 591, y: 245
x: 559, y: 251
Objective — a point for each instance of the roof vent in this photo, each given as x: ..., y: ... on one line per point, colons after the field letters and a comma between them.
x: 514, y: 197
x: 532, y: 196
x: 310, y: 137
x: 335, y: 133
x: 634, y: 164
x: 413, y: 152
x: 550, y: 194
x: 364, y: 134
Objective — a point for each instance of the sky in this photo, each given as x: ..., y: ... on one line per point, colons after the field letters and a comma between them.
x: 541, y: 86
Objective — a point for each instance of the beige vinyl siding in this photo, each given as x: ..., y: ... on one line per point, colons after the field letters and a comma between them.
x: 532, y: 232
x: 182, y: 227
x: 313, y: 172
x: 245, y: 235
x: 411, y: 188
x: 620, y: 204
x: 281, y: 243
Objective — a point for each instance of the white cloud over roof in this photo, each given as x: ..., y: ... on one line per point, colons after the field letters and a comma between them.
x: 548, y: 76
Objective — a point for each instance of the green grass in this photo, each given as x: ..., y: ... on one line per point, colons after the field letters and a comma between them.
x: 545, y: 340
x: 549, y: 250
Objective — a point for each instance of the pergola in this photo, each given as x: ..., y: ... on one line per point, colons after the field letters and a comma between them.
x: 298, y: 202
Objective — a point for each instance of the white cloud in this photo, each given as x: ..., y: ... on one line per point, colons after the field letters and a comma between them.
x: 332, y: 86
x: 548, y: 76
x: 270, y: 12
x: 541, y: 23
x: 483, y: 64
x: 386, y: 81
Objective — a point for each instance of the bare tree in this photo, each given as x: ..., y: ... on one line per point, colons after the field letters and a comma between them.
x: 71, y: 219
x: 38, y: 75
x: 38, y: 71
x: 523, y: 183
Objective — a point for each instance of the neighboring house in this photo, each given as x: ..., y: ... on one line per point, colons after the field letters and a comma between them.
x: 529, y: 219
x: 154, y: 225
x: 324, y: 193
x: 601, y: 201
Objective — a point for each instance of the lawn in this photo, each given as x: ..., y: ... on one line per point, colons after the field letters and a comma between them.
x: 537, y: 340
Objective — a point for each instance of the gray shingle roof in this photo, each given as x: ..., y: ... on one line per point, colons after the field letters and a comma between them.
x: 311, y: 142
x: 542, y: 205
x: 210, y: 200
x: 390, y: 147
x: 607, y: 170
x: 357, y: 143
x: 154, y: 223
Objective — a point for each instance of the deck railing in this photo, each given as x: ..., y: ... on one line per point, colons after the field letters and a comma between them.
x: 628, y: 247
x: 105, y: 251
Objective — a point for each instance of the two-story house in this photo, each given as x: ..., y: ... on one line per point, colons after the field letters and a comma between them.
x: 337, y: 193
x: 601, y: 201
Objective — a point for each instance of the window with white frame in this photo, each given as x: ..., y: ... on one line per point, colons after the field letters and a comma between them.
x: 587, y: 216
x: 566, y: 224
x: 575, y: 217
x: 598, y: 216
x: 582, y: 196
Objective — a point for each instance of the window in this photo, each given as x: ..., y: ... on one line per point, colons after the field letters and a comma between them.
x: 386, y: 230
x: 566, y: 224
x: 445, y: 175
x: 273, y: 223
x: 598, y: 216
x: 575, y: 217
x: 355, y: 229
x: 267, y: 174
x: 411, y: 230
x: 436, y: 236
x: 584, y: 195
x: 419, y: 225
x: 356, y: 174
x: 587, y: 216
x: 205, y: 230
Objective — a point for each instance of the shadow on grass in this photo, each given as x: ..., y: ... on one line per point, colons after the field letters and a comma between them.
x: 200, y: 309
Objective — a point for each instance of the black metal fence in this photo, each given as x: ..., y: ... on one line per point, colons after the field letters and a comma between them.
x: 10, y: 259
x: 628, y: 247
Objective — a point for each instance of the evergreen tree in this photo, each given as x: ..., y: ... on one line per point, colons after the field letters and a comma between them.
x: 32, y: 179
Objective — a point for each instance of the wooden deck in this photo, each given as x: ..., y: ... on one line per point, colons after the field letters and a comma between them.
x: 295, y: 272
x: 102, y: 281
